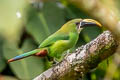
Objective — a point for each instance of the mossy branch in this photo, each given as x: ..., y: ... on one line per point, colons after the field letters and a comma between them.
x: 84, y: 59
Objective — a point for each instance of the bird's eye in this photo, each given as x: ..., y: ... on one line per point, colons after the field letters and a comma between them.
x: 77, y: 23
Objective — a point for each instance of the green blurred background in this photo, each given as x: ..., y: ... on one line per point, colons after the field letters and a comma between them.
x: 25, y: 24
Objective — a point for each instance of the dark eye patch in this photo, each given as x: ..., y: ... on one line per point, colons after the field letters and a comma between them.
x: 77, y: 23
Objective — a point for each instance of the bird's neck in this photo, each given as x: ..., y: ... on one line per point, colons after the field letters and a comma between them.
x: 73, y: 38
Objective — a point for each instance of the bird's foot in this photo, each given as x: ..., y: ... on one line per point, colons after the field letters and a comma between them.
x: 55, y: 61
x: 67, y: 53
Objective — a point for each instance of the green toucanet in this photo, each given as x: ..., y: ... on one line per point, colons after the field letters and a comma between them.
x: 63, y: 39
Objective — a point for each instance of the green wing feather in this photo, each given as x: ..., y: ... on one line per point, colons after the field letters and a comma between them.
x: 52, y: 39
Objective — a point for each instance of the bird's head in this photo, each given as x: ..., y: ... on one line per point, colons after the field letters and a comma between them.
x: 81, y: 23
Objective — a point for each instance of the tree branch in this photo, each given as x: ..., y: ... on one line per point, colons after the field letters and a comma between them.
x: 84, y: 59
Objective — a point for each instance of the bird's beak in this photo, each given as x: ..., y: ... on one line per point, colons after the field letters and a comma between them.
x: 89, y: 22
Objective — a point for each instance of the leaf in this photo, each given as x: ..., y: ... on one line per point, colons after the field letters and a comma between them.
x: 91, y: 33
x: 27, y: 68
x: 2, y: 61
x: 10, y: 24
x: 41, y: 24
x: 2, y: 64
x: 74, y: 12
x: 39, y: 27
x: 11, y: 29
x: 100, y: 71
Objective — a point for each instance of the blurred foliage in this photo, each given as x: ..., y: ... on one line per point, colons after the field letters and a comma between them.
x: 2, y: 77
x: 24, y: 25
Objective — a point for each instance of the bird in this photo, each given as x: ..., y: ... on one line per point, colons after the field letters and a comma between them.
x: 60, y: 41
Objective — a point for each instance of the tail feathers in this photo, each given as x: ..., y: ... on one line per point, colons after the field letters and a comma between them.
x: 27, y: 54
